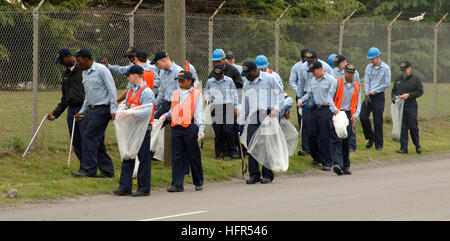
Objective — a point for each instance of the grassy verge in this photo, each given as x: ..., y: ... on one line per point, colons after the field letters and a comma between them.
x: 43, y: 173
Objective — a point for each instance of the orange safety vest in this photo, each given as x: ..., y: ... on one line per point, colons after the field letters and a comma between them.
x: 134, y: 101
x: 340, y: 95
x: 149, y: 78
x: 187, y: 66
x: 184, y: 115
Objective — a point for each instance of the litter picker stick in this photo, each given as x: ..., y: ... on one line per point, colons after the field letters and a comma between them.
x: 71, y: 142
x: 35, y: 134
x: 244, y: 165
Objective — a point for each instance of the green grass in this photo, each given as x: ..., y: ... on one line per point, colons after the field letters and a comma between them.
x: 43, y: 173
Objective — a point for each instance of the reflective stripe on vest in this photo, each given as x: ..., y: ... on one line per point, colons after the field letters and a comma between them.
x: 134, y: 101
x: 149, y: 78
x: 340, y: 95
x: 187, y: 66
x: 184, y: 115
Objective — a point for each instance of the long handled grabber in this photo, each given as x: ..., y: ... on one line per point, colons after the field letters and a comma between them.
x: 244, y: 165
x: 35, y: 134
x: 71, y: 145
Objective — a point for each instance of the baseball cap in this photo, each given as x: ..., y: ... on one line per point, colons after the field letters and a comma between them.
x: 159, y: 55
x: 184, y: 74
x: 404, y: 65
x: 303, y: 52
x: 310, y: 55
x: 83, y: 52
x: 218, y: 71
x: 135, y: 69
x: 61, y: 54
x: 350, y: 68
x: 314, y: 66
x: 248, y: 67
x: 230, y: 55
x: 141, y: 54
x: 338, y: 59
x: 131, y: 51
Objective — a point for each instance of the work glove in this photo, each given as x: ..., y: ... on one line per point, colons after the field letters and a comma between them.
x: 201, y: 135
x: 50, y: 116
x: 162, y: 118
x: 240, y: 129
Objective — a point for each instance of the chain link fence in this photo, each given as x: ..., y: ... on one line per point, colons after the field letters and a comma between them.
x: 109, y: 32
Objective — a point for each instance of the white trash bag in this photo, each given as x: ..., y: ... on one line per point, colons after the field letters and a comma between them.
x: 397, y: 117
x: 130, y: 131
x: 136, y: 167
x: 157, y: 140
x: 244, y: 134
x: 208, y: 118
x: 291, y: 134
x: 269, y: 147
x: 340, y: 122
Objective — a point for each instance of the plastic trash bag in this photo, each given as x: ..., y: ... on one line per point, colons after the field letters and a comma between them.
x: 130, y: 131
x: 244, y: 133
x: 269, y: 147
x: 291, y: 134
x: 397, y: 117
x: 157, y: 140
x: 136, y: 167
x: 340, y: 122
x: 208, y: 119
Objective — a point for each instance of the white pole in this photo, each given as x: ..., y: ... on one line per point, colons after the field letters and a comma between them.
x: 71, y: 142
x: 34, y: 136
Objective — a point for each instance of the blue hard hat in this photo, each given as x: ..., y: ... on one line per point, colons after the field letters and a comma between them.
x: 218, y: 54
x: 330, y: 60
x: 373, y: 52
x: 309, y: 105
x: 261, y: 62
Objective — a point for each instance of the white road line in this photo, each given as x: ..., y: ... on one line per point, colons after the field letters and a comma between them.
x: 174, y: 216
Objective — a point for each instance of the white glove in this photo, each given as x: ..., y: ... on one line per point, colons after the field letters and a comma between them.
x: 124, y: 114
x: 201, y: 135
x: 162, y: 118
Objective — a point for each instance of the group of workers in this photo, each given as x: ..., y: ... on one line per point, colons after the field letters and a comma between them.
x: 239, y: 97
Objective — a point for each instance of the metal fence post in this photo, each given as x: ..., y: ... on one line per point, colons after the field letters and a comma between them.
x: 389, y: 52
x: 35, y: 65
x: 131, y: 22
x: 277, y: 40
x: 211, y: 36
x: 341, y: 31
x: 436, y: 62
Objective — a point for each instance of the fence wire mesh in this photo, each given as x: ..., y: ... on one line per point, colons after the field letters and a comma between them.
x: 107, y: 33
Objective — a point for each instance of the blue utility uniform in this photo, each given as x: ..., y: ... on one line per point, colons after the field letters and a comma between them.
x: 376, y: 79
x: 100, y: 101
x: 144, y: 154
x: 260, y: 97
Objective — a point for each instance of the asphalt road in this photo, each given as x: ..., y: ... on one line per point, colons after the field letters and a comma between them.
x: 402, y: 189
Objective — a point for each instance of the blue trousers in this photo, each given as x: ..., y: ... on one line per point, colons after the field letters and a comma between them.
x: 185, y: 147
x: 352, y: 141
x: 305, y: 134
x: 375, y: 105
x: 94, y: 151
x: 78, y: 133
x: 319, y: 132
x: 253, y: 165
x: 223, y: 125
x: 144, y: 174
x: 340, y: 148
